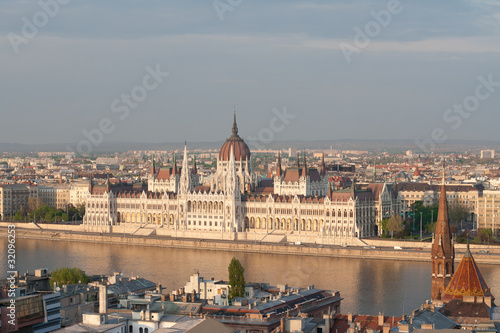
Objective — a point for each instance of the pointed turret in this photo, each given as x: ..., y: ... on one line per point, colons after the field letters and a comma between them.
x: 153, y: 165
x: 298, y: 161
x: 108, y: 186
x: 278, y: 165
x: 353, y: 188
x: 194, y: 170
x: 185, y: 181
x: 304, y: 169
x: 442, y: 252
x: 329, y: 194
x: 231, y: 180
x: 91, y: 185
x: 323, y: 165
x: 174, y: 169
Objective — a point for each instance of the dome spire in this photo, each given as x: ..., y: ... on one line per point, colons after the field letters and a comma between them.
x: 235, y: 127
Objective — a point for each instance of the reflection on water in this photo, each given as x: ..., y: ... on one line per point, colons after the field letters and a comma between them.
x: 367, y: 286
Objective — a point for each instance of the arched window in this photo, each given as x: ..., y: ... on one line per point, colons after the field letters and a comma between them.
x: 440, y: 269
x: 140, y: 330
x: 131, y: 329
x: 146, y: 330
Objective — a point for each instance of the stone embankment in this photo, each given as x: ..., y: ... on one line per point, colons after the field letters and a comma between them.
x: 375, y: 249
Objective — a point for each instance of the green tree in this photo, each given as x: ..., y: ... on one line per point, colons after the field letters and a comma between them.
x: 457, y: 212
x: 395, y: 224
x: 18, y: 216
x: 485, y: 235
x: 236, y: 279
x: 68, y: 275
x: 81, y: 209
x: 383, y: 225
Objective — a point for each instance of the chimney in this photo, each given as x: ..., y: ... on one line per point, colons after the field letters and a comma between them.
x: 328, y: 326
x: 103, y: 299
x: 282, y: 324
x: 427, y: 326
x: 349, y: 317
x: 380, y: 319
x: 387, y: 328
x: 404, y: 328
x: 103, y: 302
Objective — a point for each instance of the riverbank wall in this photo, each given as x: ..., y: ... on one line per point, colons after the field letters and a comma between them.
x: 411, y: 251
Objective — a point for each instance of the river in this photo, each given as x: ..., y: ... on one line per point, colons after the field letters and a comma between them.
x: 367, y: 286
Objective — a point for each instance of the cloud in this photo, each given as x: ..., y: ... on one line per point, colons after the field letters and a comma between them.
x: 431, y: 45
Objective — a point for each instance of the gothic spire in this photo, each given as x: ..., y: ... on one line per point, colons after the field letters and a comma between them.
x: 194, y: 171
x: 174, y: 169
x: 235, y: 127
x: 323, y: 166
x: 152, y: 165
x: 278, y: 165
x: 304, y: 169
x: 185, y: 183
x: 442, y: 251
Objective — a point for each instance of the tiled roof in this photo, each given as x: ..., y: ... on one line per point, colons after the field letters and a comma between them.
x: 341, y: 324
x: 459, y: 309
x: 467, y: 280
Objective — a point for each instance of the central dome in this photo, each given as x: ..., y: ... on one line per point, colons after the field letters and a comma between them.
x: 240, y: 148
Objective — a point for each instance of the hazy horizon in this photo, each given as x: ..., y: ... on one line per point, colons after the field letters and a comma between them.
x: 399, y: 81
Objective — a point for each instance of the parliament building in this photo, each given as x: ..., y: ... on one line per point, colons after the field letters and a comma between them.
x: 296, y: 204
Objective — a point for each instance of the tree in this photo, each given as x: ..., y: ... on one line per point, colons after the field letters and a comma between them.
x: 236, y: 279
x: 67, y: 275
x: 34, y: 203
x: 485, y: 235
x: 457, y: 212
x: 81, y: 209
x: 395, y: 224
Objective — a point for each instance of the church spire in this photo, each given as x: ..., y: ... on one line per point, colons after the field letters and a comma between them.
x: 304, y: 169
x: 278, y: 165
x: 194, y: 170
x: 174, y: 169
x: 442, y: 251
x: 91, y: 185
x: 152, y: 165
x: 323, y: 166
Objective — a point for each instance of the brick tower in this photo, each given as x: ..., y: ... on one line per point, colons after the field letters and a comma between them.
x: 442, y: 252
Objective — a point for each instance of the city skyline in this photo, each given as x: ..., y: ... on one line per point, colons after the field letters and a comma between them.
x: 303, y: 57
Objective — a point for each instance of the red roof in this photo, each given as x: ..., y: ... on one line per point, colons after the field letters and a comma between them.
x: 467, y: 281
x: 342, y: 324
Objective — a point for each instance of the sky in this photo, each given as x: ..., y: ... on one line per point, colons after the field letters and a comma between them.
x: 292, y: 70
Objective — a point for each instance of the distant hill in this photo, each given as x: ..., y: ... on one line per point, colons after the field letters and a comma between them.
x: 345, y: 144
